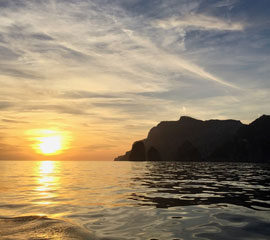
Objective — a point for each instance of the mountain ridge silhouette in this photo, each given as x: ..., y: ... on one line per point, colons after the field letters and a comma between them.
x: 190, y: 139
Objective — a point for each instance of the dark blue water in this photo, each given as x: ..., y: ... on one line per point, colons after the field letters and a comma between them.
x: 134, y: 200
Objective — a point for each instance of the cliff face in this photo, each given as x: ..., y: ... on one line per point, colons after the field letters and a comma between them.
x: 171, y: 138
x: 250, y: 144
x: 189, y: 139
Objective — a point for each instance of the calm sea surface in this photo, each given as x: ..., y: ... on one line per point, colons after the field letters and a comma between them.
x: 134, y: 200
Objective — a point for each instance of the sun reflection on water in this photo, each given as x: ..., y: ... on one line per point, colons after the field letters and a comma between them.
x: 48, y: 181
x: 46, y: 167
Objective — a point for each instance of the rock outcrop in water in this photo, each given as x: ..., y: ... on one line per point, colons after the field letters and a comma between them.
x: 189, y: 139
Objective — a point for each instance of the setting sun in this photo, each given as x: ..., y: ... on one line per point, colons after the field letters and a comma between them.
x: 50, y: 145
x: 49, y: 142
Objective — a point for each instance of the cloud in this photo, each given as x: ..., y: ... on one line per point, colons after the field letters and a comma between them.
x: 5, y: 105
x: 60, y: 108
x: 12, y: 152
x: 13, y: 121
x: 96, y: 147
x: 120, y: 48
x: 41, y: 36
x: 8, y: 54
x: 87, y: 94
x: 19, y: 73
x: 171, y: 61
x: 202, y: 22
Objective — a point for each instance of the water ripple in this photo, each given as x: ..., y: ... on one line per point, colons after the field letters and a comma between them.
x: 135, y: 200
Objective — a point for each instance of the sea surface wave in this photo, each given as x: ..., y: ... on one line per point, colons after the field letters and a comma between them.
x: 134, y: 200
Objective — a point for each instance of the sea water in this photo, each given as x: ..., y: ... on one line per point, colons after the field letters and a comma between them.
x: 134, y: 200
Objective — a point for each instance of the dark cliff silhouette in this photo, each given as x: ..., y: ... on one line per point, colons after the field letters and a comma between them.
x: 193, y: 140
x: 250, y: 144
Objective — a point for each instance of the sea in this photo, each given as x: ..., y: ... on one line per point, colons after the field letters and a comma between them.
x: 134, y: 200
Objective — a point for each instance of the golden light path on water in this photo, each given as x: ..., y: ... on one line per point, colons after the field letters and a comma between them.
x: 48, y: 181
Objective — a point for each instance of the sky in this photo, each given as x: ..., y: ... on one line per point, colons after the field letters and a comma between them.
x: 101, y: 73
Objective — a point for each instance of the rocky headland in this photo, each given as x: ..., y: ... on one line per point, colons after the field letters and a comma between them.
x: 189, y: 139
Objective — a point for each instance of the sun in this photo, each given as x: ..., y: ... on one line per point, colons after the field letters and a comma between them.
x: 49, y: 142
x: 50, y: 145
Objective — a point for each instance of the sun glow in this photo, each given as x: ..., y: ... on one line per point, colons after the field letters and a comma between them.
x: 49, y: 142
x: 50, y: 145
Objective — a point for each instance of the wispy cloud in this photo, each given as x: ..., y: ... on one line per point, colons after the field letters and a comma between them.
x: 119, y: 48
x: 171, y: 61
x: 13, y: 121
x: 202, y: 22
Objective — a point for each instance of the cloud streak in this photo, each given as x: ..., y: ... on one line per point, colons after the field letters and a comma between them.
x: 201, y: 22
x: 170, y: 61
